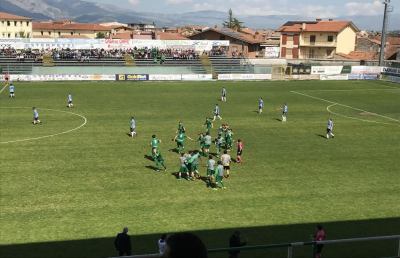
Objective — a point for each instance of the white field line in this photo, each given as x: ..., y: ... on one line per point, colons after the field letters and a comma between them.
x: 392, y: 89
x: 50, y: 135
x: 2, y: 89
x: 355, y: 118
x: 343, y: 105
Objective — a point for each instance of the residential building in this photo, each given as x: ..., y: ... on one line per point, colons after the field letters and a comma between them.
x: 317, y: 39
x: 68, y: 29
x: 143, y: 26
x: 14, y: 26
x: 240, y: 44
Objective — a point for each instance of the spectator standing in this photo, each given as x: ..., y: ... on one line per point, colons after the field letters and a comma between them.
x: 235, y: 241
x: 161, y: 244
x: 319, y: 235
x: 123, y: 243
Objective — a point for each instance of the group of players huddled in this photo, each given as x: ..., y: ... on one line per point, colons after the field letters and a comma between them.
x: 189, y: 160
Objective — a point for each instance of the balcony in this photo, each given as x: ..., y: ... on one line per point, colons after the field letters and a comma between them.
x: 308, y: 43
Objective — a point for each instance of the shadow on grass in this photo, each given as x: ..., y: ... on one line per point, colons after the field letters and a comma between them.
x: 216, y: 238
x: 148, y: 157
x: 321, y: 135
x: 152, y: 168
x: 174, y: 150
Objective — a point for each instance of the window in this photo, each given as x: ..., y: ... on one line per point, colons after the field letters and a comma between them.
x: 312, y: 39
x: 49, y: 32
x: 16, y: 35
x: 41, y: 33
x: 15, y: 23
x: 28, y: 35
x: 2, y: 22
x: 9, y: 35
x: 59, y: 34
x: 8, y: 23
x: 329, y: 52
x: 27, y: 23
x: 20, y: 23
x: 72, y: 33
x: 330, y: 38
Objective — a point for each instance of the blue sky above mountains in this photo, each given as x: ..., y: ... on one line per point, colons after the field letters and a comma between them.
x: 309, y: 8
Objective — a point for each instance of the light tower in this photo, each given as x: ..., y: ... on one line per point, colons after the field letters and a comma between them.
x: 384, y: 27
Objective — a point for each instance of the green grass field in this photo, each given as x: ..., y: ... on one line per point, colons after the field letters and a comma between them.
x: 69, y: 194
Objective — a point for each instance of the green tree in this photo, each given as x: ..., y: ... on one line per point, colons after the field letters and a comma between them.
x: 100, y: 35
x: 233, y: 22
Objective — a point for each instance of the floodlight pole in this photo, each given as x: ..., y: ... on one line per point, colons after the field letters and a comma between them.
x: 383, y: 36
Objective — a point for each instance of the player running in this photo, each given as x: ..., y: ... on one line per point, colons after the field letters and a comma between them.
x: 217, y: 112
x: 181, y: 128
x: 239, y: 151
x: 180, y: 141
x: 207, y: 144
x: 226, y: 161
x: 284, y: 112
x: 132, y: 127
x: 223, y: 95
x: 35, y: 116
x: 329, y: 129
x: 154, y: 145
x: 208, y: 124
x: 211, y: 172
x: 159, y: 160
x: 69, y: 101
x: 260, y: 105
x: 219, y: 144
x: 201, y: 143
x: 11, y: 89
x: 219, y: 175
x: 228, y: 139
x: 183, y: 167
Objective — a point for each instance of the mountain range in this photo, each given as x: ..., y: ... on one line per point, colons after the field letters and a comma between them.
x: 83, y: 11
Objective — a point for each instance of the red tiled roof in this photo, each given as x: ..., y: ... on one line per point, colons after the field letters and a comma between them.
x: 9, y: 16
x: 359, y: 55
x: 170, y: 36
x: 129, y: 35
x: 251, y: 39
x: 317, y: 26
x: 68, y: 26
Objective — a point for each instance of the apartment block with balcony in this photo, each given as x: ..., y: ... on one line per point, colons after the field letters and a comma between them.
x: 317, y: 39
x: 14, y: 26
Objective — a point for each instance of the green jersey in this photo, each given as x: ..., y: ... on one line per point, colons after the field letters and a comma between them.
x: 208, y: 123
x: 181, y: 138
x: 155, y: 142
x: 181, y: 129
x: 194, y: 158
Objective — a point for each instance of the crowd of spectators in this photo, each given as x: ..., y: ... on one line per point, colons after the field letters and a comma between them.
x: 85, y: 55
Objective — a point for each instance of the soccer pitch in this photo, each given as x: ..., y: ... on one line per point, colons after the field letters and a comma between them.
x: 70, y: 184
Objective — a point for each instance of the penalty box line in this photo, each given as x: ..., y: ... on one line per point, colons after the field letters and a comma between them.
x: 343, y: 105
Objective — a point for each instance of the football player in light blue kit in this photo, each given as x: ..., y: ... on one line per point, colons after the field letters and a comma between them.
x: 35, y: 116
x: 217, y: 112
x: 132, y: 127
x: 329, y: 129
x: 69, y: 101
x: 260, y: 105
x: 11, y: 88
x: 284, y: 112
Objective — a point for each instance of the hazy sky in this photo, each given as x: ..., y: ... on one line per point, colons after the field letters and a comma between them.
x: 312, y: 8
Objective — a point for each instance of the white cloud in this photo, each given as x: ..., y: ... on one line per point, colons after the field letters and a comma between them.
x: 134, y: 2
x: 361, y: 8
x: 317, y: 11
x: 178, y: 1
